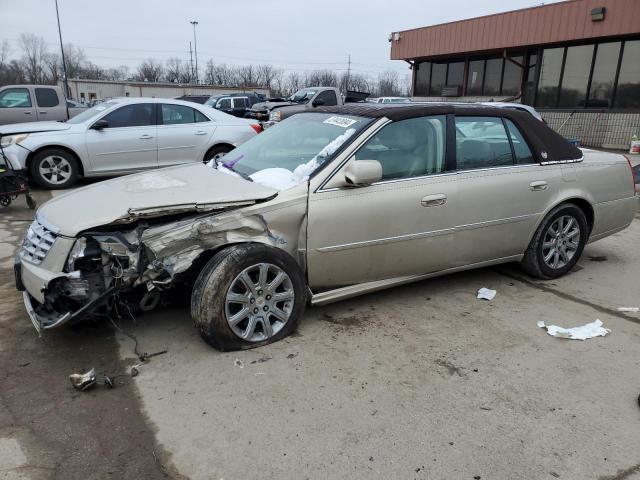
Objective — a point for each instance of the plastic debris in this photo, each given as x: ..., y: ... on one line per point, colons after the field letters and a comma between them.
x: 486, y: 294
x: 83, y: 381
x: 135, y: 370
x: 590, y: 330
x: 629, y: 309
x: 109, y: 381
x: 238, y: 363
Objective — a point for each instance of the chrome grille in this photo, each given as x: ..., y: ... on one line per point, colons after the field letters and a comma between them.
x: 37, y: 243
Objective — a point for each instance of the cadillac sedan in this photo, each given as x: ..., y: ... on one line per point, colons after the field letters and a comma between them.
x: 122, y: 136
x: 324, y: 206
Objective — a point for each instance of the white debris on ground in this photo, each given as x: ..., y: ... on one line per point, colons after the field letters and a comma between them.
x: 629, y: 309
x: 590, y: 330
x: 238, y: 363
x: 486, y: 294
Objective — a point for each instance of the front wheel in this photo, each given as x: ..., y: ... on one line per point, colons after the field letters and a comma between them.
x: 54, y: 169
x: 247, y: 296
x: 216, y: 153
x: 557, y: 243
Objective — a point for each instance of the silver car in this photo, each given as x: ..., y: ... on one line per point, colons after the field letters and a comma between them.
x: 324, y: 206
x: 122, y: 136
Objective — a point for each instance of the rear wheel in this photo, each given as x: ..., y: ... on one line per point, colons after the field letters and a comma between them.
x: 558, y: 242
x: 247, y: 296
x: 216, y: 153
x: 54, y: 169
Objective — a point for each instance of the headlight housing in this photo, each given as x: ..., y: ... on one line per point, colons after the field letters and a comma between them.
x: 7, y: 140
x: 77, y: 251
x: 275, y: 116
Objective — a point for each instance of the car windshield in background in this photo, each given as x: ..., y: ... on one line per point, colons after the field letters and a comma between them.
x: 285, y: 155
x: 302, y: 96
x: 91, y: 112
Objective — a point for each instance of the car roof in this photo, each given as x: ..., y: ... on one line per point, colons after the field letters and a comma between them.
x: 130, y: 100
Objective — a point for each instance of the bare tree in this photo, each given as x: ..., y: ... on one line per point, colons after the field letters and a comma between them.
x: 53, y: 71
x: 294, y: 83
x: 321, y: 78
x: 4, y: 53
x: 149, y: 71
x: 176, y: 71
x: 246, y: 75
x: 34, y: 53
x: 266, y: 75
x: 388, y: 84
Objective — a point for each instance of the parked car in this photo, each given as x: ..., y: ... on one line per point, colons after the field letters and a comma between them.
x: 27, y: 103
x: 392, y: 100
x: 201, y: 99
x: 330, y: 204
x: 122, y: 136
x: 236, y: 104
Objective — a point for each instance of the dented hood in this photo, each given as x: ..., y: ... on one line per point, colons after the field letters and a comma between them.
x: 181, y: 189
x: 33, y: 127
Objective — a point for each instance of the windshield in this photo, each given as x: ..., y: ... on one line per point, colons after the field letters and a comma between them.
x: 287, y: 154
x: 91, y: 112
x: 213, y: 100
x: 302, y: 96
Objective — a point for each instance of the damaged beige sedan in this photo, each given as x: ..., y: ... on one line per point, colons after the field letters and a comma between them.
x: 324, y: 206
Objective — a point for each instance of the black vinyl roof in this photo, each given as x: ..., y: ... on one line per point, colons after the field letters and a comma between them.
x: 546, y: 144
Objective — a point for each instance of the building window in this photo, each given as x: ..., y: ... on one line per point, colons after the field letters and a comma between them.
x: 492, y: 77
x: 455, y: 74
x: 423, y: 73
x: 549, y: 81
x: 438, y: 79
x: 528, y: 91
x: 575, y: 77
x: 512, y: 77
x: 474, y: 77
x: 604, y: 75
x: 628, y: 91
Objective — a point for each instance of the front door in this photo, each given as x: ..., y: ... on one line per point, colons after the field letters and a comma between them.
x: 503, y: 191
x: 16, y: 106
x: 183, y: 134
x: 401, y: 225
x: 127, y: 143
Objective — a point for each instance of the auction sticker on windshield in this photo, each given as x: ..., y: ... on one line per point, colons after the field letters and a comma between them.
x: 340, y: 121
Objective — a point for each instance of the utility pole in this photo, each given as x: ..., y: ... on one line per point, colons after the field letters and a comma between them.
x: 191, y: 56
x: 346, y: 85
x: 195, y: 46
x: 64, y: 63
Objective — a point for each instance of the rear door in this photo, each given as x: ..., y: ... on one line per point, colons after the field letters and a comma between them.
x: 503, y: 192
x: 184, y: 134
x: 17, y: 106
x: 48, y: 104
x: 129, y: 142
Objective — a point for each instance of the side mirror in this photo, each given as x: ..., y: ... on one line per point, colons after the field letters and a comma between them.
x: 318, y: 102
x: 363, y: 172
x: 99, y: 125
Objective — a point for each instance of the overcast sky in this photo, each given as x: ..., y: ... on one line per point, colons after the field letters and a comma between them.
x: 290, y: 34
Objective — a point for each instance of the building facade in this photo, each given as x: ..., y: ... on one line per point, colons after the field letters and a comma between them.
x: 577, y: 62
x: 87, y: 90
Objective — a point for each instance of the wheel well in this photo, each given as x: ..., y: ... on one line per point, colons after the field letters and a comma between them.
x: 58, y: 147
x: 217, y: 145
x: 586, y: 208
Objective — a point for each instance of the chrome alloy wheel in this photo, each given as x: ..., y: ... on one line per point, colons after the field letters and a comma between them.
x: 259, y: 302
x: 561, y: 242
x: 55, y: 169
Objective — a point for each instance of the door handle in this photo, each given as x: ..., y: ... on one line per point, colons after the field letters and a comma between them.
x: 538, y: 186
x: 42, y: 113
x: 201, y: 132
x: 27, y: 113
x: 146, y: 137
x: 434, y: 200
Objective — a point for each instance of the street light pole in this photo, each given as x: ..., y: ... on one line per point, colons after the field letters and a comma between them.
x: 195, y: 46
x: 64, y: 63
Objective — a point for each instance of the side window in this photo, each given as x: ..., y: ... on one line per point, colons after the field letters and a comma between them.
x: 46, y: 97
x: 136, y: 115
x: 408, y: 148
x: 176, y: 114
x: 238, y: 102
x: 201, y: 117
x: 224, y: 104
x: 329, y: 98
x: 481, y: 142
x: 15, y: 98
x: 520, y: 147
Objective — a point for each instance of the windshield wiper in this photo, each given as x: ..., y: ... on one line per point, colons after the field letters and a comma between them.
x: 228, y: 167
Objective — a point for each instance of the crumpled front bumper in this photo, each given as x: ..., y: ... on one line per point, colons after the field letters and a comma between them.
x: 17, y: 155
x: 44, y: 322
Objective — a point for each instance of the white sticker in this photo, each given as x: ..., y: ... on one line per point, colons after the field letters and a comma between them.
x: 340, y: 121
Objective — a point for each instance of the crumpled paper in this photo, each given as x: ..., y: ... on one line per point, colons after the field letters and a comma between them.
x: 486, y: 294
x: 590, y: 330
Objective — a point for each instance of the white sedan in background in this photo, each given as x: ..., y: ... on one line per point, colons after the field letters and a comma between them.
x: 122, y: 136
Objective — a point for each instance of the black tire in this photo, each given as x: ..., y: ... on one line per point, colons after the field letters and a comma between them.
x: 215, y: 151
x: 208, y: 298
x: 533, y: 262
x: 70, y: 170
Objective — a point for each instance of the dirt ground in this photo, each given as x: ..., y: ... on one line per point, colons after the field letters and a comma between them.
x: 422, y: 381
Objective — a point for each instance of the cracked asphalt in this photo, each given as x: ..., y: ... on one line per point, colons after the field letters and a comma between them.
x: 422, y: 381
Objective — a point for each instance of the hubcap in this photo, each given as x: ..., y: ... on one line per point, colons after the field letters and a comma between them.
x: 561, y: 242
x: 259, y: 302
x: 55, y: 169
